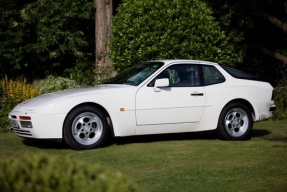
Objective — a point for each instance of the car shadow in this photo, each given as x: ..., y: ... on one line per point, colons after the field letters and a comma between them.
x: 259, y: 132
x: 45, y: 144
x: 204, y: 135
x: 52, y: 144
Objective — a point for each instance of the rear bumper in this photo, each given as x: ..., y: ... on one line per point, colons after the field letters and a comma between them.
x: 272, y: 108
x: 267, y: 114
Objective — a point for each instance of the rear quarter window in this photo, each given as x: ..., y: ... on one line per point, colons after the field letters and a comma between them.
x: 211, y: 75
x: 238, y: 74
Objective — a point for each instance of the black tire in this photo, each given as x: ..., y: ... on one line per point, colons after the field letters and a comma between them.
x: 235, y: 122
x: 85, y: 127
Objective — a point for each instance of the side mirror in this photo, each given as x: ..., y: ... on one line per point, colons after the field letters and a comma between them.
x: 160, y: 83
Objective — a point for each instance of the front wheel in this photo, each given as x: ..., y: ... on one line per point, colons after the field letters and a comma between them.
x: 235, y: 122
x: 85, y: 127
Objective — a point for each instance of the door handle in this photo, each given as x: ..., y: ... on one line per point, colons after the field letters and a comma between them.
x: 197, y: 94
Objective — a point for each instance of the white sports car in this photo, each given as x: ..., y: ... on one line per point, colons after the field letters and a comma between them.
x: 165, y: 96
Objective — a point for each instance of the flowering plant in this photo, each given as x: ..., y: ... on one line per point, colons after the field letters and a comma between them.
x: 13, y: 93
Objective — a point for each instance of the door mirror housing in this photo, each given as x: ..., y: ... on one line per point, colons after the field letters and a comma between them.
x: 160, y: 83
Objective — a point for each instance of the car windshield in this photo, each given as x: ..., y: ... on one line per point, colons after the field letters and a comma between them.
x: 135, y: 75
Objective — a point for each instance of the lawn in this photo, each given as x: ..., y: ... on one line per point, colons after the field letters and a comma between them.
x: 183, y: 162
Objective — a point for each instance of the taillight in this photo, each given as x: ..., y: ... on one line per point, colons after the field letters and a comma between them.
x: 272, y: 97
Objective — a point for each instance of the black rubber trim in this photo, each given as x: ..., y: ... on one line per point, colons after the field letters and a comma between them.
x: 200, y: 71
x: 197, y: 94
x: 20, y: 130
x: 27, y: 134
x: 272, y: 109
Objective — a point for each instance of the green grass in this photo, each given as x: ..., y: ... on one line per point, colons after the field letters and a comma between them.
x: 183, y: 162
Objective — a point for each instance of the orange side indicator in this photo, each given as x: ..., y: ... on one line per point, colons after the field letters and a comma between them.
x: 122, y: 109
x: 24, y: 118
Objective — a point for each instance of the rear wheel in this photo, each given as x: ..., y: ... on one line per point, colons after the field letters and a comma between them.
x: 235, y: 122
x: 85, y: 127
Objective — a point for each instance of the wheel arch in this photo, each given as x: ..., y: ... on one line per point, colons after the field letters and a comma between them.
x: 245, y: 102
x: 109, y: 120
x: 221, y: 130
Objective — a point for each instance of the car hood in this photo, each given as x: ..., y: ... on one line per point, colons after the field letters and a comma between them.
x: 50, y: 98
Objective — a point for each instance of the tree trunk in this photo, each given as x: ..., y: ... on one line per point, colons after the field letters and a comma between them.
x: 274, y: 21
x: 275, y: 54
x: 103, y: 64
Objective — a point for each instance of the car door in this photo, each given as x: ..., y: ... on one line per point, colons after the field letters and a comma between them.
x: 183, y: 101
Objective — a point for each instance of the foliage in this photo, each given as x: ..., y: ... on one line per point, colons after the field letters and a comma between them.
x: 9, y: 10
x: 104, y: 73
x: 42, y: 173
x: 82, y: 73
x: 54, y: 84
x: 148, y: 29
x: 280, y: 98
x: 13, y: 93
x: 244, y: 18
x: 281, y: 103
x: 46, y: 36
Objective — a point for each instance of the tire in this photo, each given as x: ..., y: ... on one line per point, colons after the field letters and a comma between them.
x: 85, y: 127
x: 235, y: 122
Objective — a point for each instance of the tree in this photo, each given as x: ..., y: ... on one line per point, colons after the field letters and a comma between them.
x: 49, y: 36
x: 282, y: 26
x: 148, y: 29
x: 103, y: 16
x: 9, y: 11
x: 262, y: 27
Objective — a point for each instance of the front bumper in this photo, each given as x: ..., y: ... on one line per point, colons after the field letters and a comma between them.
x: 43, y: 126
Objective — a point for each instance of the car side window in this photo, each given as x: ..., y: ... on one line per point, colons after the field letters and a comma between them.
x: 212, y: 75
x: 180, y: 76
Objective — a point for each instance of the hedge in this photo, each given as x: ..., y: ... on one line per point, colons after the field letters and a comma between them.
x: 169, y: 29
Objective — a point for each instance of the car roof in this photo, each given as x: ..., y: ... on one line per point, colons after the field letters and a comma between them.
x: 170, y: 61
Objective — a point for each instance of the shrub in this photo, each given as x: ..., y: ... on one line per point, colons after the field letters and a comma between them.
x: 13, y: 93
x: 54, y: 84
x: 82, y: 73
x: 280, y: 98
x: 160, y: 29
x: 52, y: 174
